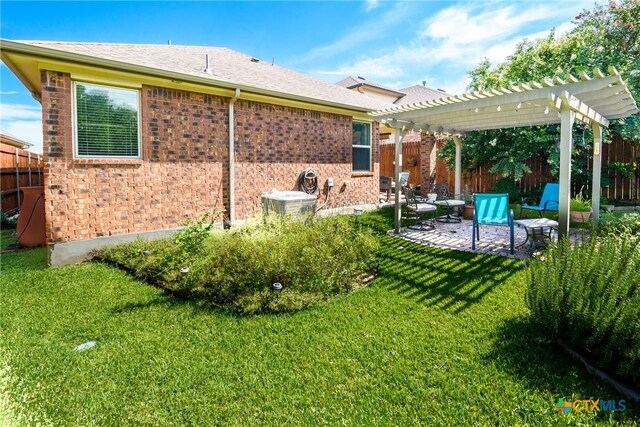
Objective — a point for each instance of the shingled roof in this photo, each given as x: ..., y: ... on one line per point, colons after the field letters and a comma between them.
x: 228, y: 68
x: 354, y: 82
x: 419, y: 93
x: 408, y: 95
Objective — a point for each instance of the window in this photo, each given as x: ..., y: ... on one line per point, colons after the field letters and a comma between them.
x: 106, y: 122
x: 361, y: 146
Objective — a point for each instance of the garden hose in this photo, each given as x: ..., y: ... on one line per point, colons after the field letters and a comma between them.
x: 308, y: 181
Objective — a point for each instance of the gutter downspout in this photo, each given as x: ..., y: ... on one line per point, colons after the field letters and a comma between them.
x: 232, y: 159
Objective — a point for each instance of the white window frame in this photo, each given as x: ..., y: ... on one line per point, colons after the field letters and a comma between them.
x: 74, y: 120
x: 370, y: 146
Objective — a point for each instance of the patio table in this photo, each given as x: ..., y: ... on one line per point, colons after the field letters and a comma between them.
x: 538, y: 231
x: 451, y: 205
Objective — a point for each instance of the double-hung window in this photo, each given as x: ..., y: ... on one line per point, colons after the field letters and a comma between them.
x: 361, y: 146
x: 107, y: 122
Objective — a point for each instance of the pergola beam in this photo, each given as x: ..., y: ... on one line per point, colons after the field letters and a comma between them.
x: 397, y: 218
x: 566, y: 146
x: 580, y: 107
x: 597, y: 170
x: 540, y: 95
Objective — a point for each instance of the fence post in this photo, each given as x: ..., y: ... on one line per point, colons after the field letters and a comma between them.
x: 18, y: 178
x: 29, y: 157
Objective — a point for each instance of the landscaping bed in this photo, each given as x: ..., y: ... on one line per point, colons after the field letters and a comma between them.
x: 588, y: 296
x: 279, y: 264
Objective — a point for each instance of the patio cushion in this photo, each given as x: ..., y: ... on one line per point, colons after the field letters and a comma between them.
x: 421, y: 208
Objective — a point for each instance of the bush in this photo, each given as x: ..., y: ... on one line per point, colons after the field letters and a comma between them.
x: 506, y: 185
x: 7, y: 222
x: 534, y: 193
x: 620, y: 225
x: 588, y: 297
x: 313, y: 260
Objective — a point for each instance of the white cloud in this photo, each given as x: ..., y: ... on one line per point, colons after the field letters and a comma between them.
x: 20, y: 112
x: 12, y: 92
x: 455, y: 40
x: 27, y: 130
x: 371, y: 4
x: 365, y: 32
x: 24, y: 122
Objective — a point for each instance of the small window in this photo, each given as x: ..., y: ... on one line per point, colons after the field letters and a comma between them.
x: 361, y: 146
x: 106, y: 122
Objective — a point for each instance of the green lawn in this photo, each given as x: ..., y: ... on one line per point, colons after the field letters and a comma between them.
x: 440, y: 338
x: 20, y: 260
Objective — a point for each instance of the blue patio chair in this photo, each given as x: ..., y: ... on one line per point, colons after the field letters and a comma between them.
x: 548, y: 202
x: 492, y: 209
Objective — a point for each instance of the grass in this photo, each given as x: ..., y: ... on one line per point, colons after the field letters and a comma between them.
x: 440, y: 338
x: 20, y: 260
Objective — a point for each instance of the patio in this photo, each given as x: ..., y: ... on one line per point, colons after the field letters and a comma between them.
x: 494, y: 240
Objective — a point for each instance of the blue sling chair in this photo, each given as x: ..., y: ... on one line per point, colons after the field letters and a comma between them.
x: 491, y: 209
x: 549, y: 201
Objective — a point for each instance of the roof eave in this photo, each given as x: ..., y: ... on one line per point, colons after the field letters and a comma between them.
x: 17, y: 47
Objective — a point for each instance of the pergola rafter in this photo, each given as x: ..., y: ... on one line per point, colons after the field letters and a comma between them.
x: 592, y: 100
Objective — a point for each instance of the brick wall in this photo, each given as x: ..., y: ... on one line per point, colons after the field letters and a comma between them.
x: 184, y: 167
x: 275, y: 143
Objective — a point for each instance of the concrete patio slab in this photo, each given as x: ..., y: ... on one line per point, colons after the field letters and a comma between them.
x: 494, y: 240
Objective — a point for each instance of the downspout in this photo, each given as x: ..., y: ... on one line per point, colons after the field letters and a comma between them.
x: 232, y: 159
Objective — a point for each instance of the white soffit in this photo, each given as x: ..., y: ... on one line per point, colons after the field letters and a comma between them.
x: 594, y: 99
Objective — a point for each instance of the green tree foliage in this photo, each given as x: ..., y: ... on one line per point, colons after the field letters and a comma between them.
x: 606, y: 35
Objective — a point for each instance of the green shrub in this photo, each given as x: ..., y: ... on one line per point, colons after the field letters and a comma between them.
x: 588, y: 297
x: 620, y: 225
x: 533, y: 193
x: 507, y: 185
x: 7, y: 222
x: 312, y: 259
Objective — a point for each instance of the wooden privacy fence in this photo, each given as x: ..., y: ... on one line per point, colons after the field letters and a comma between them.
x: 410, y: 160
x: 18, y: 168
x: 480, y: 180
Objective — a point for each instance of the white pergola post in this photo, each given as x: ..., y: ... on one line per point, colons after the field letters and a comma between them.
x: 397, y: 187
x: 597, y: 168
x: 567, y: 118
x: 458, y: 168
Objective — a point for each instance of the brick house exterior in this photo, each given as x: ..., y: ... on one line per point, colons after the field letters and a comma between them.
x: 184, y: 167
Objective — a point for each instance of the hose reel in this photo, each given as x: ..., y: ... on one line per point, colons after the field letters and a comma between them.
x: 308, y: 181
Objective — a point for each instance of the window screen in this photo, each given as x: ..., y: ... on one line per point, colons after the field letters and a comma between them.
x: 106, y: 121
x: 361, y: 146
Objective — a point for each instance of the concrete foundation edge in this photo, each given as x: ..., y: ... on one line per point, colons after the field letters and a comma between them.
x: 76, y: 251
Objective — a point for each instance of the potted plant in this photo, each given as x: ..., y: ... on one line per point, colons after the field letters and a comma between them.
x: 412, y: 161
x: 580, y: 208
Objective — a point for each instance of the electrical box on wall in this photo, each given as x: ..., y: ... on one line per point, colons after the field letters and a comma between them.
x: 329, y: 182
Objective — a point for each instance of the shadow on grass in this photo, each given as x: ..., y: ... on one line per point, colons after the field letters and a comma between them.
x: 522, y: 349
x: 439, y: 277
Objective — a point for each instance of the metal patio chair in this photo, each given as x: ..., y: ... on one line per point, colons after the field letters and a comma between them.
x: 492, y: 209
x: 548, y: 202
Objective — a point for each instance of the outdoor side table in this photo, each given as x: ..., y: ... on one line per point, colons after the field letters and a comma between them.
x: 451, y: 205
x: 538, y: 231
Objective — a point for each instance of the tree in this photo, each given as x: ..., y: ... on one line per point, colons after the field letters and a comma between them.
x: 606, y: 35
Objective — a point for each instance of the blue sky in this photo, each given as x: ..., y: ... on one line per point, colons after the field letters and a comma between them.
x: 394, y: 43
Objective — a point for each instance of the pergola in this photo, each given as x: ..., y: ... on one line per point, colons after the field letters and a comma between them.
x: 589, y: 100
